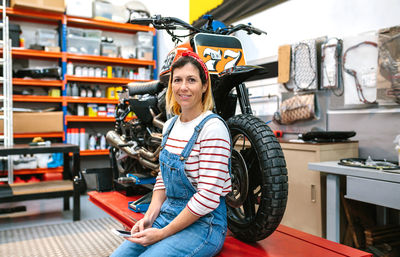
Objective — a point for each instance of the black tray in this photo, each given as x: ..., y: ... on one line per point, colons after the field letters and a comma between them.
x: 328, y: 136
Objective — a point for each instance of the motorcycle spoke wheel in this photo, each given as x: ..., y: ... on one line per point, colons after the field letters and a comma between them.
x: 265, y: 201
x: 239, y: 179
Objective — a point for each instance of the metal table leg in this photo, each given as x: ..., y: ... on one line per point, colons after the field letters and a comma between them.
x: 77, y: 181
x: 333, y: 208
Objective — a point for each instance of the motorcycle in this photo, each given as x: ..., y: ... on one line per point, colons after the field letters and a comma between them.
x: 258, y: 170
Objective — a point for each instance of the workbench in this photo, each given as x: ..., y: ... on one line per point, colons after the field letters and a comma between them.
x: 284, y: 241
x: 68, y: 187
x: 373, y: 186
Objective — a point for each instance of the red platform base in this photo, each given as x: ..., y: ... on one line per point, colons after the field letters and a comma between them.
x: 283, y: 242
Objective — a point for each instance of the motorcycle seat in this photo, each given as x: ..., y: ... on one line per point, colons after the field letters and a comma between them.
x: 141, y: 88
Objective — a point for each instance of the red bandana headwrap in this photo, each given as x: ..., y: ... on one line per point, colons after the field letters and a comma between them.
x: 198, y: 59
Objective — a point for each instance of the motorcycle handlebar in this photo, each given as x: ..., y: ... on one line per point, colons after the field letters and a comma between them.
x: 172, y: 23
x: 164, y: 23
x: 142, y: 21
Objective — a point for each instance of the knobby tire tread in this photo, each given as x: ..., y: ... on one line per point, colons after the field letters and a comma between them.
x: 273, y: 175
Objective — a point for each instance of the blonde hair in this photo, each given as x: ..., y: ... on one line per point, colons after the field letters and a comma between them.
x: 207, y: 101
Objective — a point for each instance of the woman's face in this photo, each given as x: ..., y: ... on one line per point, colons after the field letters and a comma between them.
x: 188, y: 89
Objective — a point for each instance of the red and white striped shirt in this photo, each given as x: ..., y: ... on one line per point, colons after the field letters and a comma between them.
x: 207, y: 165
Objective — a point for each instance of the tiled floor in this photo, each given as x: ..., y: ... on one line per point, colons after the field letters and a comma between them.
x: 47, y: 211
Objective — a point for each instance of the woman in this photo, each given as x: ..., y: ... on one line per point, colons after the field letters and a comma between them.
x: 187, y: 214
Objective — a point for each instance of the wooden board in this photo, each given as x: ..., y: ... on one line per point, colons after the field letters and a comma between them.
x: 284, y: 64
x: 42, y: 187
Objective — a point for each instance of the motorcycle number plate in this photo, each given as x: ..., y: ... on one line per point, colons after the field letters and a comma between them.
x: 219, y: 52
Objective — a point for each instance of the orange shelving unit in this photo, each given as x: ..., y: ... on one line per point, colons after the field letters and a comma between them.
x: 31, y: 15
x: 34, y: 171
x: 63, y: 57
x: 74, y: 118
x: 43, y: 135
x: 94, y: 152
x: 98, y: 100
x: 120, y: 81
x: 37, y: 82
x: 106, y: 25
x: 111, y: 60
x: 37, y: 98
x: 37, y: 54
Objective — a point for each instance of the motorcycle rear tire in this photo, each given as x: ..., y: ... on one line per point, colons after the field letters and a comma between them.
x: 265, y: 202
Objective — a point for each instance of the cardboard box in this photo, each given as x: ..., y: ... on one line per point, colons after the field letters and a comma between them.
x: 48, y: 5
x: 36, y: 122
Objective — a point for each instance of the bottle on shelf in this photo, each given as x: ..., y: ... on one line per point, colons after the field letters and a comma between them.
x: 118, y: 90
x: 75, y: 90
x: 82, y: 139
x: 97, y: 72
x: 109, y: 72
x: 69, y: 136
x: 97, y: 92
x: 76, y: 136
x: 85, y: 71
x: 70, y: 68
x: 103, y: 144
x: 92, y: 142
x: 78, y: 71
x: 91, y: 72
x: 69, y: 91
x: 89, y: 92
x: 80, y: 110
x: 111, y: 92
x: 83, y: 92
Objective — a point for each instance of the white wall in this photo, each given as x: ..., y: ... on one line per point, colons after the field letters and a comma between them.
x: 296, y: 20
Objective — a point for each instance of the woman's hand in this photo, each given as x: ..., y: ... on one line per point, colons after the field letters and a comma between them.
x: 141, y: 225
x: 147, y: 237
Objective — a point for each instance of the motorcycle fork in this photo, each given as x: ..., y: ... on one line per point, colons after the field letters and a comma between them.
x: 244, y: 101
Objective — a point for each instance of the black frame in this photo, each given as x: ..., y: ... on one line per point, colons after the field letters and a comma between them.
x: 71, y: 172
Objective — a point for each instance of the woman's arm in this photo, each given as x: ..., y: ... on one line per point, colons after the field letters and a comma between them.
x: 157, y: 200
x: 152, y: 212
x: 183, y: 220
x: 152, y: 235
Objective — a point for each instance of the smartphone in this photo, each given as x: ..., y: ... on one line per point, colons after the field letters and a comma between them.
x: 122, y: 233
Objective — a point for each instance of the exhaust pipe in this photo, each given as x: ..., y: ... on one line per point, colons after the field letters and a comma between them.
x: 145, y: 157
x: 156, y: 119
x: 114, y: 139
x: 149, y: 155
x: 149, y: 164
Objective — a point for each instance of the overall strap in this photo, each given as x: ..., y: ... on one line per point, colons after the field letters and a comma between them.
x: 166, y: 134
x: 189, y: 146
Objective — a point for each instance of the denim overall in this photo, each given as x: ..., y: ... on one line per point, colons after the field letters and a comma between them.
x: 206, y: 236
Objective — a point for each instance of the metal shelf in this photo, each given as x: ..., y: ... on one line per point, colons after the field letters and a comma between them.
x: 32, y: 135
x: 98, y: 100
x: 75, y: 118
x: 106, y: 25
x: 121, y: 81
x: 37, y: 98
x: 37, y: 54
x: 32, y: 15
x: 37, y: 82
x: 94, y: 152
x: 35, y: 171
x: 112, y: 60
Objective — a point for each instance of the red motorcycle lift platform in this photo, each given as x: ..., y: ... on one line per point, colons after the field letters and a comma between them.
x: 284, y: 241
